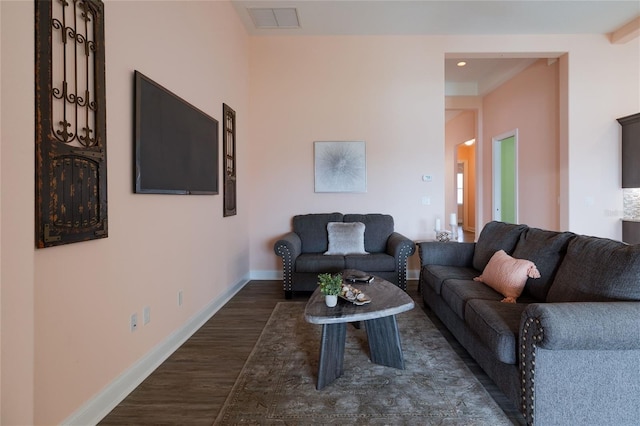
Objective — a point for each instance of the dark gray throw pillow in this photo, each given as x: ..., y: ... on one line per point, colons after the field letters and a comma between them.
x: 312, y: 229
x: 378, y: 229
x: 597, y: 270
x: 546, y: 249
x: 495, y: 236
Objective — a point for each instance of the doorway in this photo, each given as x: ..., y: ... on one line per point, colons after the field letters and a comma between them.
x: 466, y: 185
x: 505, y: 177
x: 470, y: 88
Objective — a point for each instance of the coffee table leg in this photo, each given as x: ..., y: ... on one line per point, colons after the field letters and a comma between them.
x: 331, y: 353
x: 384, y: 342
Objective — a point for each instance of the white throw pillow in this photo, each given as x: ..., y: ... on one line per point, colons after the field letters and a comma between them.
x: 345, y: 238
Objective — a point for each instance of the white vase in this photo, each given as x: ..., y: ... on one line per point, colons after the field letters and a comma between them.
x: 331, y: 300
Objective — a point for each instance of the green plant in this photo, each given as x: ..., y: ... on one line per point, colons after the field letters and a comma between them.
x: 330, y: 284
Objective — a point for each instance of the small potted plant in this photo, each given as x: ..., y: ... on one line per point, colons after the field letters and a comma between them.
x: 330, y: 286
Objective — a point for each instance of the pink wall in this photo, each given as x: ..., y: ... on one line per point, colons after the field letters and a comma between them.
x: 597, y: 96
x: 65, y: 310
x: 17, y: 312
x: 376, y: 89
x: 529, y: 103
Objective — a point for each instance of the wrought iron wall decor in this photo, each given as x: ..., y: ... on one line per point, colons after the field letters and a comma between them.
x: 229, y: 155
x: 71, y: 145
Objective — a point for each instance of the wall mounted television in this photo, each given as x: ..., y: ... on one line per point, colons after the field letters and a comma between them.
x: 176, y: 144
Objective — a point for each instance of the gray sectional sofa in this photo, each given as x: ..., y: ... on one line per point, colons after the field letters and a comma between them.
x: 568, y: 351
x: 303, y: 250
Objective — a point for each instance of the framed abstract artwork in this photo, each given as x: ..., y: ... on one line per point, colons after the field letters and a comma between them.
x: 340, y: 166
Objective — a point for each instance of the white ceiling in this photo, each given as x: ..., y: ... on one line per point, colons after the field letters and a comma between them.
x: 438, y: 17
x: 429, y: 17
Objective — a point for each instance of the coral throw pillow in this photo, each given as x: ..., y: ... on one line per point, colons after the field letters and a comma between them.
x: 346, y: 238
x: 508, y: 275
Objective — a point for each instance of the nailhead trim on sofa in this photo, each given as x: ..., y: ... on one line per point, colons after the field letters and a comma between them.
x: 405, y: 252
x: 287, y: 267
x: 532, y: 334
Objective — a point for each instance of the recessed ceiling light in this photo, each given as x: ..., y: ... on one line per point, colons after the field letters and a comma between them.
x: 461, y: 63
x: 470, y: 142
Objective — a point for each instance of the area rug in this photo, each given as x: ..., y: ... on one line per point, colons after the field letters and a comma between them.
x: 277, y: 384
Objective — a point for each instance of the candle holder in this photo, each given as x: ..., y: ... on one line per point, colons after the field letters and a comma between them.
x: 454, y: 232
x: 442, y: 235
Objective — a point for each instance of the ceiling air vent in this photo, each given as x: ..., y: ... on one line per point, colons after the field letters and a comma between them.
x: 286, y: 17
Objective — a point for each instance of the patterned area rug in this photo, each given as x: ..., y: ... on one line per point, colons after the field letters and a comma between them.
x: 277, y: 384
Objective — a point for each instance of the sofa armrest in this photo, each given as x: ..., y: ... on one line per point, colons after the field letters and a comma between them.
x: 450, y: 254
x: 400, y: 247
x: 584, y: 325
x: 575, y: 361
x: 288, y: 247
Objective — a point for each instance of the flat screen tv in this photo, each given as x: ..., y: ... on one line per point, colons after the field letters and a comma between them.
x: 176, y: 144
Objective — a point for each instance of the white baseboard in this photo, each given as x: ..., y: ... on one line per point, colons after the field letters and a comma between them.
x: 266, y: 275
x: 106, y: 400
x: 412, y: 274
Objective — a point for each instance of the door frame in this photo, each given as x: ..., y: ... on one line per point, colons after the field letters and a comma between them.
x: 465, y: 193
x: 496, y: 174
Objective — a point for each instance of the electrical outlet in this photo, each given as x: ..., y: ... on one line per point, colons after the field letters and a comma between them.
x: 179, y: 297
x: 146, y: 315
x: 134, y: 322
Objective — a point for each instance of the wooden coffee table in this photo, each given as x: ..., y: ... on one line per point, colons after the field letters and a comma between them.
x: 387, y: 300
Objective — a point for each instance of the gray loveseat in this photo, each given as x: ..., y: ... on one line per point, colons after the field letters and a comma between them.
x: 303, y: 250
x: 568, y: 351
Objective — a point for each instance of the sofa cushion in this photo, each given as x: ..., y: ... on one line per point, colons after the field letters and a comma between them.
x: 318, y: 262
x: 378, y: 229
x: 497, y: 325
x: 546, y: 249
x: 456, y: 294
x: 508, y: 275
x: 597, y: 270
x: 312, y: 229
x: 435, y: 275
x: 345, y: 238
x: 374, y: 262
x: 495, y: 236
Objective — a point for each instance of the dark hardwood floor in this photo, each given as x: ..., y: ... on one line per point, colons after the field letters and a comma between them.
x: 191, y: 386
